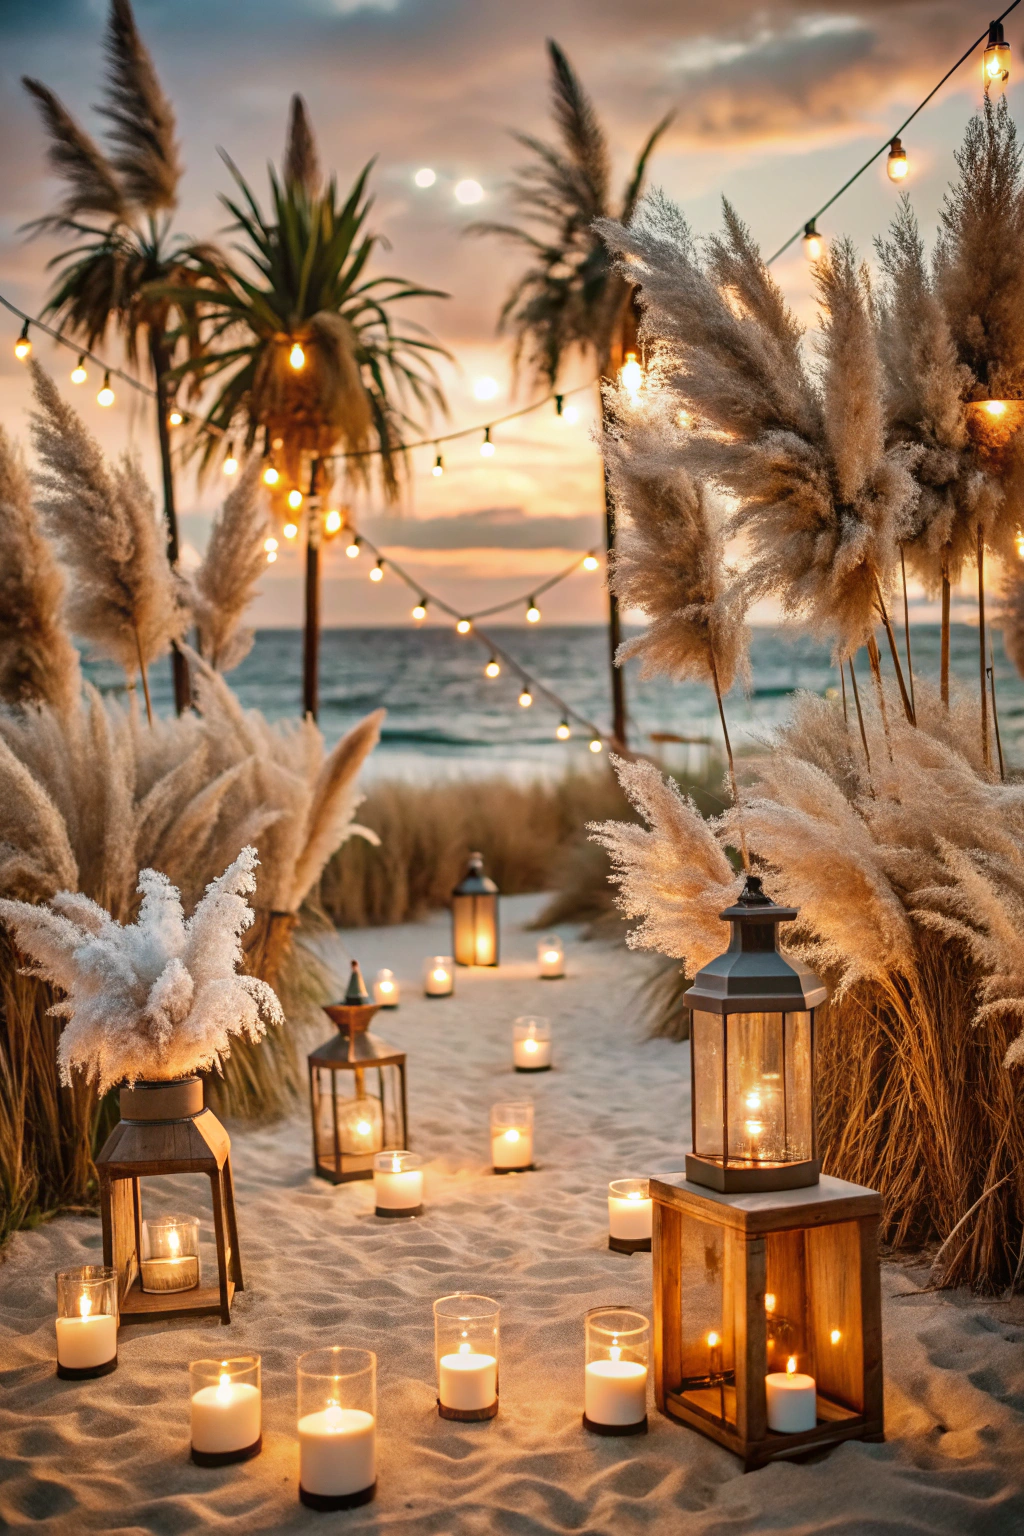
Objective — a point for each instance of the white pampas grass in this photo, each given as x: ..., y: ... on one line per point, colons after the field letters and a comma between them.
x: 159, y: 998
x: 224, y: 585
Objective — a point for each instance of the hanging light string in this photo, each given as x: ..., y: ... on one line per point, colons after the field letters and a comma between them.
x: 808, y: 227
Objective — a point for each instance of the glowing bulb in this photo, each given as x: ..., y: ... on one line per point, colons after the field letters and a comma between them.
x: 463, y: 626
x: 269, y: 544
x: 570, y: 415
x: 353, y: 550
x: 533, y: 613
x: 230, y: 466
x: 295, y: 498
x: 377, y: 574
x: 562, y: 730
x: 270, y: 475
x: 438, y: 469
x: 297, y: 357
x: 590, y: 562
x: 420, y: 612
x: 23, y: 346
x: 487, y: 447
x: 78, y: 373
x: 291, y: 530
x: 835, y: 1335
x: 996, y: 60
x: 425, y: 177
x: 106, y: 394
x: 713, y: 1340
x: 897, y: 164
x: 525, y: 698
x: 631, y: 375
x: 175, y: 419
x: 271, y: 556
x: 332, y: 522
x: 595, y: 745
x: 468, y: 191
x: 485, y: 389
x: 791, y: 1365
x: 996, y: 407
x: 812, y: 242
x: 769, y: 1301
x: 493, y: 668
x: 512, y: 1135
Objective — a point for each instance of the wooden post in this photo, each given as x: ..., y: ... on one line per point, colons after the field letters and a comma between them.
x: 311, y: 634
x: 159, y: 361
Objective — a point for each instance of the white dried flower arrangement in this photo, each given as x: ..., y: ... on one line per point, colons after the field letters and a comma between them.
x: 155, y: 999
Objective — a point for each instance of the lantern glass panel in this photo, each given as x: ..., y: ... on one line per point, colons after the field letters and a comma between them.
x: 813, y: 1309
x: 707, y: 1336
x: 706, y: 1048
x: 475, y: 929
x: 767, y: 1083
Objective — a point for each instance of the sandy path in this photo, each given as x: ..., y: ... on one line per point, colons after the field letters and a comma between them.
x: 112, y: 1454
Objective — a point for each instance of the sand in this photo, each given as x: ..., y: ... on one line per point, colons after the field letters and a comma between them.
x: 320, y: 1268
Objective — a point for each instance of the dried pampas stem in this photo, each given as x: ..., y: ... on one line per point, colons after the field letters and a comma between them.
x: 728, y: 752
x: 860, y: 716
x: 906, y: 632
x: 944, y: 658
x: 145, y: 679
x: 908, y: 708
x: 995, y: 711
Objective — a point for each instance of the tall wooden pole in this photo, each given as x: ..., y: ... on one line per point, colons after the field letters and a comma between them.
x: 311, y: 635
x: 159, y: 361
x: 614, y: 620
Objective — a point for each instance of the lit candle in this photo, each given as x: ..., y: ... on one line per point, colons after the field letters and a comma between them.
x: 531, y: 1045
x: 792, y: 1400
x: 398, y: 1184
x: 337, y: 1451
x: 551, y: 958
x: 226, y: 1410
x: 615, y: 1392
x: 511, y: 1137
x: 467, y: 1381
x: 170, y: 1254
x: 360, y: 1127
x: 630, y: 1215
x: 385, y: 989
x: 615, y: 1374
x: 439, y: 976
x: 88, y: 1340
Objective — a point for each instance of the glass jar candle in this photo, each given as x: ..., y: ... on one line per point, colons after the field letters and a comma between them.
x: 511, y: 1137
x: 398, y: 1184
x: 337, y: 1391
x: 227, y: 1410
x: 360, y: 1125
x: 86, y: 1322
x: 615, y: 1373
x: 466, y: 1353
x: 551, y: 958
x: 385, y: 989
x: 531, y: 1044
x: 439, y: 976
x: 629, y: 1216
x: 170, y: 1254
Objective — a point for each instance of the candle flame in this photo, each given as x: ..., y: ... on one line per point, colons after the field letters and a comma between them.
x: 791, y: 1366
x: 396, y: 1164
x: 512, y: 1135
x: 332, y: 1415
x: 615, y: 1353
x: 753, y: 1101
x: 754, y: 1127
x: 713, y: 1340
x: 174, y: 1242
x: 769, y: 1301
x: 551, y: 956
x: 530, y: 1044
x: 84, y: 1305
x: 634, y: 1194
x: 996, y: 407
x: 835, y: 1335
x: 363, y: 1127
x: 224, y: 1388
x: 387, y: 986
x: 465, y: 1348
x: 440, y: 975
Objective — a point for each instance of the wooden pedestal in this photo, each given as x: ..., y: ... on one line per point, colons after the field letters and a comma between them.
x: 813, y: 1253
x: 164, y: 1129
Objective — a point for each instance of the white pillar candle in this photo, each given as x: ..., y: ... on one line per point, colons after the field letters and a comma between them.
x: 386, y: 989
x: 467, y: 1381
x: 337, y: 1451
x: 792, y: 1400
x: 395, y: 1190
x: 170, y: 1274
x: 615, y: 1392
x: 226, y: 1417
x: 439, y: 977
x: 551, y: 959
x: 531, y: 1053
x: 630, y: 1217
x: 86, y: 1342
x: 512, y: 1148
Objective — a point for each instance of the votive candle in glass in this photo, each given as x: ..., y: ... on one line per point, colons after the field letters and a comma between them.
x: 466, y: 1353
x: 385, y: 989
x: 629, y: 1216
x: 551, y: 958
x: 360, y: 1125
x: 86, y: 1322
x: 170, y: 1254
x: 439, y: 976
x: 227, y: 1410
x: 615, y: 1373
x: 337, y: 1427
x: 398, y: 1184
x: 531, y: 1044
x: 511, y: 1137
x: 792, y: 1400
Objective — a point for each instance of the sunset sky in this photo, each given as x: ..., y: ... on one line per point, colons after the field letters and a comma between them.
x: 775, y: 105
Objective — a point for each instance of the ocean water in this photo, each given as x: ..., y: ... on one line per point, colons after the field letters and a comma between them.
x: 445, y: 717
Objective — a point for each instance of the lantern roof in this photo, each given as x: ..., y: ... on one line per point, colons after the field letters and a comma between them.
x: 753, y: 975
x: 356, y: 994
x: 474, y: 882
x: 361, y: 1049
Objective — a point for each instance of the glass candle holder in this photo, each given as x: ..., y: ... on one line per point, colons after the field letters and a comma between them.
x: 511, y: 1137
x: 385, y: 989
x: 615, y: 1374
x: 466, y: 1352
x: 86, y: 1322
x: 551, y: 958
x: 439, y: 976
x: 337, y: 1427
x: 629, y: 1216
x: 531, y: 1044
x: 360, y: 1125
x: 398, y: 1184
x: 170, y: 1254
x: 227, y: 1410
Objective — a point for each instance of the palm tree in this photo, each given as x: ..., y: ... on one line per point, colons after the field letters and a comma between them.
x: 571, y: 299
x: 306, y: 346
x: 116, y: 210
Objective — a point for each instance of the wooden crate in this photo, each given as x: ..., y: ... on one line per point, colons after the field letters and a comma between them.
x: 814, y: 1253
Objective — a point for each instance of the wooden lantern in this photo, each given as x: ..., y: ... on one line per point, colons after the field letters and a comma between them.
x: 746, y: 1285
x: 165, y: 1129
x: 357, y: 1091
x: 475, y: 916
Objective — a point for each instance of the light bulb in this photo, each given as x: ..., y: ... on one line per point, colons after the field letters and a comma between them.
x: 175, y: 419
x: 377, y: 574
x: 78, y: 373
x: 595, y: 745
x: 570, y: 415
x: 418, y: 613
x: 270, y: 475
x: 290, y: 530
x: 487, y: 447
x: 269, y: 544
x: 425, y: 177
x: 562, y: 730
x: 332, y: 522
x: 438, y: 469
x: 897, y: 164
x: 485, y: 388
x: 295, y: 498
x: 230, y: 466
x: 297, y: 357
x: 106, y: 394
x: 996, y: 60
x: 468, y: 191
x: 271, y: 556
x: 813, y: 243
x: 525, y: 698
x: 532, y: 613
x: 23, y: 346
x: 353, y: 550
x: 463, y: 626
x: 590, y: 563
x: 493, y: 669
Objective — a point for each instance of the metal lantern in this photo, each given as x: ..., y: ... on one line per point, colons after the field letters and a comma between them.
x: 752, y: 1058
x: 475, y: 916
x: 356, y: 1090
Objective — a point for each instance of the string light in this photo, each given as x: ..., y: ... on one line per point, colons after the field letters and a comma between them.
x: 493, y: 668
x: 995, y: 64
x: 290, y: 530
x: 332, y: 522
x: 295, y: 498
x: 595, y: 745
x: 533, y: 612
x: 297, y: 357
x: 271, y: 556
x: 468, y: 191
x: 270, y: 475
x: 78, y: 373
x: 813, y: 244
x: 269, y: 544
x: 897, y: 164
x: 175, y: 419
x: 106, y: 394
x: 377, y: 573
x: 353, y: 549
x: 438, y: 469
x: 631, y: 376
x: 23, y: 345
x: 485, y: 389
x: 463, y: 626
x: 230, y: 465
x: 590, y: 563
x: 425, y: 177
x: 487, y: 447
x: 562, y: 730
x: 525, y: 698
x: 570, y: 415
x: 420, y: 611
